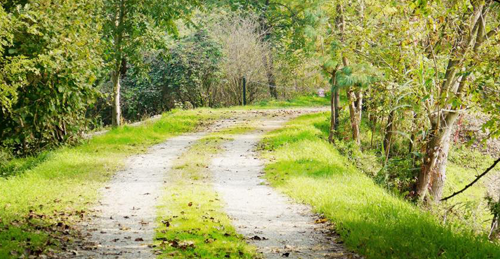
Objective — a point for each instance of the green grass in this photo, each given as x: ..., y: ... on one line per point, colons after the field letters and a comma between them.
x: 300, y: 101
x: 41, y: 197
x: 370, y: 220
x: 470, y: 207
x: 40, y: 204
x: 192, y: 223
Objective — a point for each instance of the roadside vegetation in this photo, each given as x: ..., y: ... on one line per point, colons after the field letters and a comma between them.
x: 371, y: 220
x: 42, y: 198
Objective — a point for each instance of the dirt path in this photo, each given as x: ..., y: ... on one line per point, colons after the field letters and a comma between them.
x: 277, y: 226
x: 123, y: 224
x: 124, y: 220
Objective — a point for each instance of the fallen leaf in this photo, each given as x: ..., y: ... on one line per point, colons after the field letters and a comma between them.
x: 166, y: 223
x: 319, y: 221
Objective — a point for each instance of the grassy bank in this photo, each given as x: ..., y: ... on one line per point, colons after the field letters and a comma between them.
x: 192, y: 223
x: 370, y: 220
x: 39, y: 205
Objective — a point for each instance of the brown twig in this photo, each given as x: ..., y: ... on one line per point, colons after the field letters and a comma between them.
x: 473, y: 182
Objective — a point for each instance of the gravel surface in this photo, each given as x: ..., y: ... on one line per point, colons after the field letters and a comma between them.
x: 271, y: 221
x: 122, y: 224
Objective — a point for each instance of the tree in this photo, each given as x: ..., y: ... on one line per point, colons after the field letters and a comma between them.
x: 437, y: 48
x: 193, y: 71
x: 49, y: 57
x: 242, y: 48
x: 345, y: 44
x: 286, y: 25
x: 458, y: 35
x: 355, y: 80
x: 132, y: 26
x: 7, y: 87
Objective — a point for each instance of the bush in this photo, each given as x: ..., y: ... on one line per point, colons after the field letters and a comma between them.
x: 48, y: 69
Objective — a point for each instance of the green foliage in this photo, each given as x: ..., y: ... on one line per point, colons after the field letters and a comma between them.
x: 301, y: 101
x: 357, y: 75
x: 370, y: 221
x: 47, y: 73
x: 7, y: 91
x: 193, y: 70
x: 185, y: 75
x: 134, y: 26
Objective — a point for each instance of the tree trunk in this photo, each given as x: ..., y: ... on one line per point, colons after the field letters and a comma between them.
x: 389, y: 133
x: 336, y: 105
x: 432, y: 176
x: 271, y: 79
x: 355, y: 109
x: 495, y: 229
x: 335, y: 109
x: 116, y: 118
x: 121, y: 64
x: 373, y: 125
x: 413, y: 136
x: 268, y: 57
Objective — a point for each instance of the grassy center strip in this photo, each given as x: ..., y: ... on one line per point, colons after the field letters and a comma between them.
x: 191, y: 220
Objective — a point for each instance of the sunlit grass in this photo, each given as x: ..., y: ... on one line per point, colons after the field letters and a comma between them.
x: 61, y: 186
x: 300, y: 101
x: 41, y: 195
x: 192, y: 223
x: 370, y: 220
x: 470, y: 207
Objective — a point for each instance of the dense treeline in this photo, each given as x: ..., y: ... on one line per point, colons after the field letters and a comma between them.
x: 67, y: 66
x: 425, y: 61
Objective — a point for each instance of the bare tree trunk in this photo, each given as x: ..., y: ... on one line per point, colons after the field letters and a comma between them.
x: 432, y: 176
x: 120, y: 64
x: 116, y: 116
x: 411, y: 146
x: 334, y: 105
x: 373, y: 125
x: 495, y: 229
x: 268, y: 58
x: 355, y: 111
x: 271, y: 79
x: 494, y: 204
x: 389, y: 133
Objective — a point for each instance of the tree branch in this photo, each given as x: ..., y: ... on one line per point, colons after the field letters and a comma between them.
x: 473, y: 182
